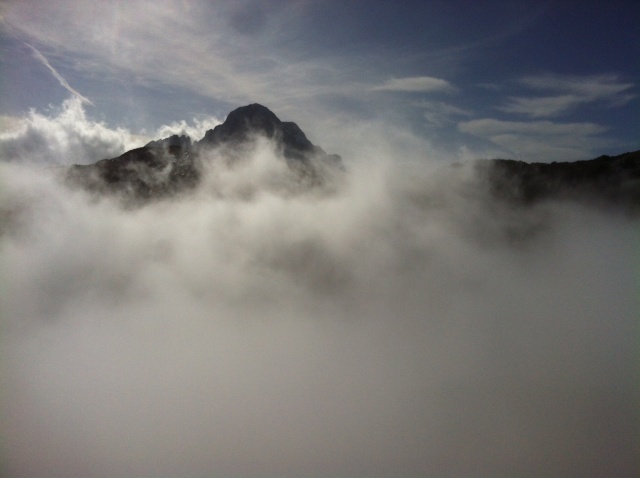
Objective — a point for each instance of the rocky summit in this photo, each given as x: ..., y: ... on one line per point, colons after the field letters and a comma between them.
x: 174, y: 164
x: 244, y: 122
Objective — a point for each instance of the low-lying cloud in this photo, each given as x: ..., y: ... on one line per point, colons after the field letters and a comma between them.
x: 403, y: 324
x: 66, y: 136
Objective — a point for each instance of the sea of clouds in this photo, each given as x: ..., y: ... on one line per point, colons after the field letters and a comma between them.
x: 399, y: 323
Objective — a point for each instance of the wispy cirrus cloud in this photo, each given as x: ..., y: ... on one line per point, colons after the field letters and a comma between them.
x: 489, y: 126
x: 64, y: 83
x: 440, y: 113
x: 160, y: 59
x: 539, y: 140
x: 416, y: 84
x: 196, y: 56
x: 568, y: 93
x: 204, y: 55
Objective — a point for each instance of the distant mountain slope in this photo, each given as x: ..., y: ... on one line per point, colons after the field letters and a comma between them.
x: 173, y: 164
x: 604, y: 180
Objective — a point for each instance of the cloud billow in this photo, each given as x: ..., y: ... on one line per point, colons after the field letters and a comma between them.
x: 393, y: 325
x: 68, y: 136
x: 64, y: 138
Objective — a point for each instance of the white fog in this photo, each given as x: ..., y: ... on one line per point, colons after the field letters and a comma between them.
x: 399, y: 323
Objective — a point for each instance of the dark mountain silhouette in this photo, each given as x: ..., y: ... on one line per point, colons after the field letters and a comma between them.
x: 601, y: 181
x: 244, y: 122
x: 173, y: 164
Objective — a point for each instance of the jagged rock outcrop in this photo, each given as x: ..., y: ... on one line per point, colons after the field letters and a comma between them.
x: 171, y: 165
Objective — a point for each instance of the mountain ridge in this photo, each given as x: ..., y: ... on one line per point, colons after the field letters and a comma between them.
x: 602, y: 180
x: 167, y: 166
x: 174, y: 164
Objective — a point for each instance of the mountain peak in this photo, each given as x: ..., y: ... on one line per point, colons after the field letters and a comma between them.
x: 241, y: 123
x: 255, y: 119
x: 173, y: 164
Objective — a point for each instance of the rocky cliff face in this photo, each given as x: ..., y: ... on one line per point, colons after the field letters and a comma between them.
x: 171, y: 165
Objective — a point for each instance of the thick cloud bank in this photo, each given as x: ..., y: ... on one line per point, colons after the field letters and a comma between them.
x: 402, y: 324
x: 65, y: 137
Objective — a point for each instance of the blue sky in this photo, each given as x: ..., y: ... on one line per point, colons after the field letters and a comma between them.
x: 529, y: 80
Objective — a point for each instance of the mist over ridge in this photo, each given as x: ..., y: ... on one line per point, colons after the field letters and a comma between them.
x: 172, y: 165
x: 396, y: 317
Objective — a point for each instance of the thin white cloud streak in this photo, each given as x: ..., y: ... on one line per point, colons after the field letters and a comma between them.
x: 574, y: 91
x: 197, y: 46
x: 416, y: 84
x: 539, y: 140
x: 64, y: 83
x: 439, y: 113
x: 240, y: 52
x: 541, y: 107
x: 196, y: 55
x: 387, y: 329
x: 489, y: 126
x: 599, y: 86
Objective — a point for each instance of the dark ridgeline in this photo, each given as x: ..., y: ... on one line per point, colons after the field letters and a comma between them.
x: 605, y: 180
x: 172, y: 165
x: 158, y: 169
